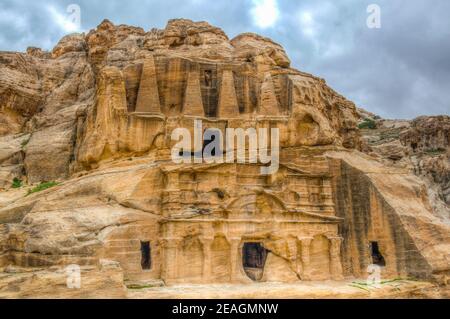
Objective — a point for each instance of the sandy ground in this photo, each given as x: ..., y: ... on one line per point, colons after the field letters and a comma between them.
x: 308, y: 290
x: 108, y: 282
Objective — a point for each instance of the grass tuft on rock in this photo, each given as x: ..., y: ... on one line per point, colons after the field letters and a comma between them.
x: 41, y: 187
x: 368, y: 124
x: 25, y: 143
x: 17, y: 183
x: 435, y: 151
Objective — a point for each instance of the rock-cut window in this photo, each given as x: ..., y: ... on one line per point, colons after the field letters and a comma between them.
x: 146, y: 255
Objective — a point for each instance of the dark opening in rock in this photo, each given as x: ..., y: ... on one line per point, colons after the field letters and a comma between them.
x: 254, y: 257
x: 146, y: 256
x: 377, y: 257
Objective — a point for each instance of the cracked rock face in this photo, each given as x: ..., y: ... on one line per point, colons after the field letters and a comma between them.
x: 96, y: 115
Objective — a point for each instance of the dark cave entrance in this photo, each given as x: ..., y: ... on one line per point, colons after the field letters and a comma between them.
x: 254, y: 257
x: 377, y: 257
x: 146, y: 256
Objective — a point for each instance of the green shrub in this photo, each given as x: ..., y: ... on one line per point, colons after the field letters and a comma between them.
x: 435, y: 151
x: 368, y: 124
x: 42, y: 186
x: 17, y: 183
x: 25, y: 143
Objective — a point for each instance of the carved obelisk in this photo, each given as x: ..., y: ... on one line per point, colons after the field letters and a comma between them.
x: 148, y: 96
x: 193, y: 103
x: 228, y: 104
x: 269, y: 105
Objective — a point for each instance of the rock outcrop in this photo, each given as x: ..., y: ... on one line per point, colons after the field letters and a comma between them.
x: 86, y: 174
x: 421, y: 145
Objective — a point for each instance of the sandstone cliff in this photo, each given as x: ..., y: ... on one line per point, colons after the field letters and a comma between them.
x: 96, y: 114
x: 421, y: 146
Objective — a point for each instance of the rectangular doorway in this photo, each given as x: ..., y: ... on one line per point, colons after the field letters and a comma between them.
x: 146, y: 255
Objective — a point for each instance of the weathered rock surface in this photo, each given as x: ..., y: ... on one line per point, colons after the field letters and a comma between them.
x: 396, y: 289
x: 421, y: 145
x: 96, y: 114
x: 104, y: 281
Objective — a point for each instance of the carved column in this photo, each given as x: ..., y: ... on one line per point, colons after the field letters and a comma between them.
x: 306, y: 244
x: 206, y: 243
x: 171, y: 195
x: 236, y: 261
x: 293, y: 253
x: 335, y: 256
x: 234, y: 256
x: 170, y: 258
x: 173, y: 181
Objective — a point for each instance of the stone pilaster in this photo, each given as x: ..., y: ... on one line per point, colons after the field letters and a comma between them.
x: 206, y: 243
x: 170, y: 259
x: 292, y: 255
x: 335, y: 258
x: 237, y: 272
x: 173, y: 181
x: 306, y: 257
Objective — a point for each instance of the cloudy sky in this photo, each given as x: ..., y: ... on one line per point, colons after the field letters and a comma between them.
x: 400, y: 70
